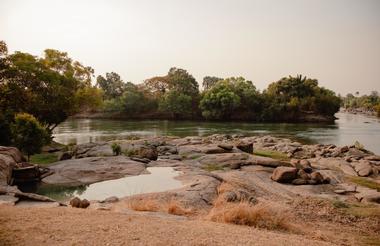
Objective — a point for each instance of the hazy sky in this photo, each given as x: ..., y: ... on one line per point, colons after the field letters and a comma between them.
x: 335, y: 41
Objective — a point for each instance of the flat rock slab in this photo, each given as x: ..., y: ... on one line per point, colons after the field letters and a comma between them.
x: 92, y: 169
x: 8, y: 200
x: 37, y: 204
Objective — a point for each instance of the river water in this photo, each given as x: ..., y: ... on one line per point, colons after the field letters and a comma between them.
x: 347, y: 129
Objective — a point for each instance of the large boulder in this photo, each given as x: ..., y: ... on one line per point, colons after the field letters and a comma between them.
x: 9, y: 157
x: 363, y: 168
x: 284, y: 174
x: 92, y: 169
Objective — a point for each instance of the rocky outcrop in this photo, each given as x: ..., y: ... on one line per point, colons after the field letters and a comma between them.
x: 89, y: 170
x: 363, y: 168
x: 9, y: 157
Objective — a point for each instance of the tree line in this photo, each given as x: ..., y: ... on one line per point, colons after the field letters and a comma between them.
x: 370, y: 103
x: 53, y: 87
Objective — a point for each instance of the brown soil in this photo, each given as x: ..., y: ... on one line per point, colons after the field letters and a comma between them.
x: 69, y: 226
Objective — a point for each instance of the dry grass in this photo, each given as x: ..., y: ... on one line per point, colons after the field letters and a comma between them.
x: 174, y: 207
x: 243, y: 213
x: 143, y: 205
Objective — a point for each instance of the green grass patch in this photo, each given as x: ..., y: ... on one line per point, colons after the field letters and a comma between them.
x: 272, y: 154
x: 357, y: 209
x: 340, y: 204
x: 212, y: 167
x: 365, y: 182
x: 43, y: 158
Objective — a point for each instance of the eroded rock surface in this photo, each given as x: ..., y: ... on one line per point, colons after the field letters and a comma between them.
x: 89, y: 170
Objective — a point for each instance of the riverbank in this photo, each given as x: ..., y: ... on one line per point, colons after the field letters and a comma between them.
x: 301, y: 118
x: 274, y: 190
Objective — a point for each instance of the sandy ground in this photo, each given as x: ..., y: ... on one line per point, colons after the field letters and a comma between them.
x: 70, y: 226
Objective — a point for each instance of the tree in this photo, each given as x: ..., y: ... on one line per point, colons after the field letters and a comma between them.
x: 295, y: 96
x: 28, y: 134
x: 112, y: 85
x: 89, y: 99
x: 209, y: 82
x: 45, y: 87
x: 176, y: 103
x: 220, y: 101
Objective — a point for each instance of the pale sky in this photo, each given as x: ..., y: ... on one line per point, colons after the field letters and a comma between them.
x: 335, y: 41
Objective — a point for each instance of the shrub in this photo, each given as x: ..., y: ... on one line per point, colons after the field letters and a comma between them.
x: 28, y: 134
x: 116, y: 149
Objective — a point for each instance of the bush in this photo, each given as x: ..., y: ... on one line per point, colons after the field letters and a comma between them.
x: 28, y: 134
x: 116, y: 149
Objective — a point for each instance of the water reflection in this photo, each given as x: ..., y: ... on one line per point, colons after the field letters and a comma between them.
x: 159, y: 179
x: 346, y: 130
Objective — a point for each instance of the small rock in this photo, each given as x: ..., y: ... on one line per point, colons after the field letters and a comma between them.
x: 246, y: 147
x: 226, y: 146
x: 235, y: 165
x: 340, y: 192
x: 84, y: 203
x: 317, y: 177
x: 111, y: 199
x: 299, y: 182
x: 303, y: 175
x: 306, y: 166
x: 284, y: 174
x: 372, y: 158
x: 65, y: 156
x: 75, y: 202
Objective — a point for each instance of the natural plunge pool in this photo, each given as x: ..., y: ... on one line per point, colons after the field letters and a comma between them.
x: 159, y: 179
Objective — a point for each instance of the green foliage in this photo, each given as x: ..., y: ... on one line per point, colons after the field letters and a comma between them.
x: 369, y: 102
x: 44, y: 158
x: 272, y: 154
x: 5, y: 130
x: 178, y: 104
x: 212, y: 167
x: 219, y: 102
x: 365, y: 182
x: 116, y: 149
x: 112, y: 85
x: 232, y: 95
x: 292, y: 97
x: 43, y: 86
x: 89, y: 99
x: 130, y: 152
x: 209, y: 82
x: 28, y: 134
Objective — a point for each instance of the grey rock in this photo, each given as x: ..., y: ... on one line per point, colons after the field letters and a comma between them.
x: 245, y: 147
x: 363, y: 168
x: 284, y: 174
x: 226, y: 146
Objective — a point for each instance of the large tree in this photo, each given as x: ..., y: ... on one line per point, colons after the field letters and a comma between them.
x: 45, y: 87
x: 112, y: 85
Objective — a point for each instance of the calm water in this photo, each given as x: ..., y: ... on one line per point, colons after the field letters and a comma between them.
x: 345, y: 131
x: 159, y: 179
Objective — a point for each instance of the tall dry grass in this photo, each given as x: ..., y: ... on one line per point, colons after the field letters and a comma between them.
x: 176, y: 208
x: 243, y: 213
x: 143, y: 205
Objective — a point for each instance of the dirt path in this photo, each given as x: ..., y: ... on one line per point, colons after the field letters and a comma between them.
x: 68, y: 226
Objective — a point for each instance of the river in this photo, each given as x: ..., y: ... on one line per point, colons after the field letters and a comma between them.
x: 347, y: 129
